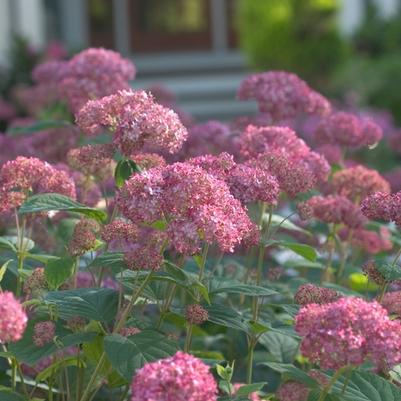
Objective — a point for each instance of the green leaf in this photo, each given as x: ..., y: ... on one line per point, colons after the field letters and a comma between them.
x: 282, y: 222
x: 27, y: 352
x: 124, y: 169
x: 37, y: 126
x: 225, y: 316
x: 390, y: 271
x: 5, y: 243
x: 303, y: 250
x: 283, y: 348
x: 367, y: 386
x: 8, y: 395
x: 6, y: 240
x: 98, y: 304
x: 3, y: 269
x: 111, y: 260
x: 51, y: 202
x: 249, y: 388
x: 236, y: 287
x: 58, y: 271
x: 42, y: 258
x: 293, y: 373
x: 56, y: 366
x: 129, y: 354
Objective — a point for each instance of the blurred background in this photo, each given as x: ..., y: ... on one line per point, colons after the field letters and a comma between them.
x: 200, y: 50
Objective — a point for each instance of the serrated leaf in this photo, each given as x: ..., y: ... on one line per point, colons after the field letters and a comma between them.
x: 367, y: 386
x: 8, y: 395
x: 236, y: 287
x: 249, y: 388
x: 389, y: 271
x: 124, y: 169
x: 27, y: 352
x: 282, y: 222
x: 37, y: 126
x: 303, y: 250
x: 292, y: 372
x: 111, y: 260
x: 56, y: 202
x: 129, y: 354
x: 98, y: 304
x: 283, y: 348
x: 225, y: 316
x: 58, y: 271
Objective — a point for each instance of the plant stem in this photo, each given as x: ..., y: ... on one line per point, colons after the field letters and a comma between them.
x: 92, y: 380
x: 188, y: 338
x: 249, y: 369
x: 326, y: 390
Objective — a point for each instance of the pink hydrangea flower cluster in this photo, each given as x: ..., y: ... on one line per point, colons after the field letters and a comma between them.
x: 332, y: 153
x: 13, y: 318
x: 247, y: 183
x: 349, y: 331
x: 90, y: 74
x: 312, y: 294
x: 332, y: 209
x: 392, y: 303
x: 195, y: 205
x: 146, y: 161
x: 136, y: 120
x: 24, y: 176
x: 181, y: 377
x: 356, y: 183
x: 211, y: 137
x: 282, y: 95
x: 279, y: 151
x: 383, y: 206
x: 43, y: 333
x: 92, y: 159
x: 348, y: 130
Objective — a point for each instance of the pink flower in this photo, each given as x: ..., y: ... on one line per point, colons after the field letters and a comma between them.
x: 181, y: 377
x: 356, y: 183
x: 383, y: 206
x: 94, y: 73
x: 332, y: 153
x: 84, y: 237
x: 348, y: 130
x: 349, y: 331
x: 312, y: 294
x: 24, y: 176
x: 392, y: 303
x: 13, y: 318
x: 332, y: 209
x: 43, y: 333
x: 136, y: 120
x: 146, y: 161
x: 282, y: 95
x: 370, y: 241
x: 194, y: 204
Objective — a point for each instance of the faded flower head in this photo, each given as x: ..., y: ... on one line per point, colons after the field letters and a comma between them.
x: 349, y: 331
x: 312, y: 294
x: 252, y: 396
x: 392, y: 303
x: 35, y: 283
x: 137, y: 122
x: 356, y: 183
x: 373, y: 274
x: 196, y: 314
x: 348, y: 130
x: 84, y: 237
x: 129, y: 331
x: 282, y: 95
x: 181, y: 377
x: 43, y: 333
x: 332, y: 209
x: 13, y: 318
x: 292, y: 391
x: 24, y: 176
